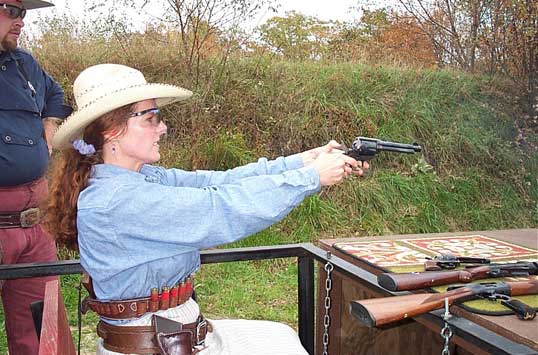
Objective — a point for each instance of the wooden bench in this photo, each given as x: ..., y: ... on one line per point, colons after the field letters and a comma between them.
x: 55, y: 337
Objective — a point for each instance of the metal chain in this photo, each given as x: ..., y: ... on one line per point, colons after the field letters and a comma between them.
x: 446, y: 332
x: 327, y: 319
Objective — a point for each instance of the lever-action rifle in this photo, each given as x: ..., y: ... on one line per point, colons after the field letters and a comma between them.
x: 417, y: 280
x: 376, y: 312
x: 364, y: 149
x: 450, y: 261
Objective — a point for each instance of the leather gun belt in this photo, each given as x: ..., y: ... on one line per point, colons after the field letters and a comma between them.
x: 137, y: 307
x: 142, y: 339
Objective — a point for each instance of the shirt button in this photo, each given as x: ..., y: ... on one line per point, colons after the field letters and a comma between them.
x: 4, y: 68
x: 30, y: 141
x: 8, y: 138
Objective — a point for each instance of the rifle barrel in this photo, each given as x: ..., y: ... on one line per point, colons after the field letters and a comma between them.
x: 407, y: 281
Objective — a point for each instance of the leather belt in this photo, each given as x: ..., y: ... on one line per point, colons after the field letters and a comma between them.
x: 137, y: 307
x: 141, y: 339
x: 23, y: 219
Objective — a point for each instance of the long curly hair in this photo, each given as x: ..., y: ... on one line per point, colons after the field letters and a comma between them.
x: 69, y: 175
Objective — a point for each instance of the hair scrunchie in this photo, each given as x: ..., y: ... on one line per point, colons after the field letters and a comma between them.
x: 83, y: 147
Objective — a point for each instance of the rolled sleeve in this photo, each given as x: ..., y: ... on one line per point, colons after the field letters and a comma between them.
x: 54, y: 100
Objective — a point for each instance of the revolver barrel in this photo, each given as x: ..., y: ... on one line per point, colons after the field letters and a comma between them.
x: 398, y: 147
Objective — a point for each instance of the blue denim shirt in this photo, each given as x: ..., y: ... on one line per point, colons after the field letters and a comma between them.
x: 138, y: 230
x: 23, y: 150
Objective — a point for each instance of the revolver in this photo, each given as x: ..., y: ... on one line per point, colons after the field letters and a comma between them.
x: 364, y: 148
x: 450, y: 261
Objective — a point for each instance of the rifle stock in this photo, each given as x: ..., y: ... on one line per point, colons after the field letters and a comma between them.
x: 376, y: 312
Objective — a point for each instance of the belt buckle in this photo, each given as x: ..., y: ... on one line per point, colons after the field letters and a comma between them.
x: 199, y: 327
x: 30, y: 217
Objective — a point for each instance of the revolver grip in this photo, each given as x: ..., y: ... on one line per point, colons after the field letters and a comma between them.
x: 357, y: 155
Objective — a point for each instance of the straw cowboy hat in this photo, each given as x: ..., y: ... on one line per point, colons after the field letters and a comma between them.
x: 105, y: 87
x: 34, y: 4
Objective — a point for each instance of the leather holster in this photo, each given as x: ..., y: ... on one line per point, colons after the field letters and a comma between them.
x: 171, y: 338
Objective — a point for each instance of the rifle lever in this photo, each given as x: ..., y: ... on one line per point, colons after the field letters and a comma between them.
x: 522, y: 310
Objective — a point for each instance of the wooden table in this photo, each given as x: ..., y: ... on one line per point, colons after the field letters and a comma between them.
x: 418, y: 336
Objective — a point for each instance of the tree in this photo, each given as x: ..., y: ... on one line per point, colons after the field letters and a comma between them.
x: 202, y: 27
x: 382, y: 35
x: 453, y: 27
x: 404, y: 41
x: 514, y: 46
x: 296, y: 36
x: 495, y: 36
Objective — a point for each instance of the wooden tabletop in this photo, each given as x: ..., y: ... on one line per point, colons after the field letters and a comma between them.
x: 524, y: 332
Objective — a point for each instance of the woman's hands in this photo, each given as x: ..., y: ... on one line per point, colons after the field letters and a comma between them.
x: 310, y: 155
x: 331, y: 164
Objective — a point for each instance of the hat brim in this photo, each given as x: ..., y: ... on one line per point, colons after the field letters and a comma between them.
x: 74, y: 125
x: 35, y: 4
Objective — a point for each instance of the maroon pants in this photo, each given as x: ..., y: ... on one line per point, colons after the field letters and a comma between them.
x: 23, y: 245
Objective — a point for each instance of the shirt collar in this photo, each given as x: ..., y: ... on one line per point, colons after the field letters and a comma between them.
x: 9, y: 55
x: 109, y: 170
x: 4, y: 56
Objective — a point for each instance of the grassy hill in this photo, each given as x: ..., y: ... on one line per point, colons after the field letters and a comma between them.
x: 476, y: 171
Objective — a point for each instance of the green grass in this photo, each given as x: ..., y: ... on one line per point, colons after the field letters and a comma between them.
x: 251, y: 290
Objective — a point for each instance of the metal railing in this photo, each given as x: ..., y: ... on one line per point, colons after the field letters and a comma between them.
x: 306, y: 254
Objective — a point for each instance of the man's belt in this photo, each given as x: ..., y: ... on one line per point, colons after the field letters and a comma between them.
x: 144, y: 339
x: 23, y: 219
x: 137, y: 307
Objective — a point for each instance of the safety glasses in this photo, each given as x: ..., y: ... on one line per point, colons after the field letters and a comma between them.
x: 155, y: 118
x: 13, y: 11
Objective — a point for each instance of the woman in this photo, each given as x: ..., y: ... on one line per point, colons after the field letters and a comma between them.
x: 139, y: 227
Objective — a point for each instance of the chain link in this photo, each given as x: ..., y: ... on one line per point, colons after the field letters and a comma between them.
x: 446, y: 332
x: 327, y: 319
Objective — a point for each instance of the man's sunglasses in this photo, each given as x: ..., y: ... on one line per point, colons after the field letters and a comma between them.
x: 155, y: 118
x: 13, y: 11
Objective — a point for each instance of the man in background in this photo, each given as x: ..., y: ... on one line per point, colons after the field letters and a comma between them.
x: 31, y: 104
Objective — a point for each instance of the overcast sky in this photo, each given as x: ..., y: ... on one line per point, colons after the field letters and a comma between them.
x: 322, y: 9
